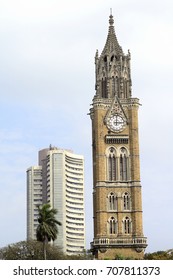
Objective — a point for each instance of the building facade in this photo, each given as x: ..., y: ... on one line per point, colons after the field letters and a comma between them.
x: 117, y: 202
x: 34, y: 199
x: 61, y: 183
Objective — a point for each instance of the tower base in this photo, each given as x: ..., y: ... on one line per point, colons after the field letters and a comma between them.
x: 121, y: 254
x: 111, y: 249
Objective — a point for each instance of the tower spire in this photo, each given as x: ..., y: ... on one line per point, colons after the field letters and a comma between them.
x: 112, y: 42
x: 112, y: 68
x: 111, y: 20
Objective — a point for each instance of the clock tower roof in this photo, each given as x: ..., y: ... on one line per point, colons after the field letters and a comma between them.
x: 112, y: 68
x: 112, y: 44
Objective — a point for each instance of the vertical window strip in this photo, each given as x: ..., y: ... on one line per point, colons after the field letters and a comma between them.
x: 127, y: 226
x: 112, y: 200
x: 126, y: 200
x: 117, y: 87
x: 113, y: 87
x: 104, y: 88
x: 123, y: 167
x: 112, y: 226
x: 112, y: 167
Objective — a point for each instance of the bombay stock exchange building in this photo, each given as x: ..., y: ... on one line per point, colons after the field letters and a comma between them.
x: 58, y: 180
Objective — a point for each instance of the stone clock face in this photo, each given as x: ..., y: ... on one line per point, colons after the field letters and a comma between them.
x: 116, y: 123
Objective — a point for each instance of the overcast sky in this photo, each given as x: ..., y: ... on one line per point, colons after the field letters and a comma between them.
x: 47, y: 73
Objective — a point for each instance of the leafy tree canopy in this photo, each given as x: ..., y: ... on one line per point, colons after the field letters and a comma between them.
x: 33, y: 250
x: 159, y: 255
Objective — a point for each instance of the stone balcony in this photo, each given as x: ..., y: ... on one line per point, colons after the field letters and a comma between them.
x: 140, y: 242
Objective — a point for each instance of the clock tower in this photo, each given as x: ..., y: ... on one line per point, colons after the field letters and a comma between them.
x: 118, y: 229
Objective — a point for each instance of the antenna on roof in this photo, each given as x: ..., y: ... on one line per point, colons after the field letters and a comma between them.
x: 111, y: 11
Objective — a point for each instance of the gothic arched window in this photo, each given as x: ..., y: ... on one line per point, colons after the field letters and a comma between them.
x: 117, y: 86
x: 113, y: 86
x: 126, y: 201
x: 112, y: 201
x: 104, y: 88
x: 125, y: 88
x: 127, y: 225
x: 123, y: 164
x: 112, y: 162
x: 112, y: 226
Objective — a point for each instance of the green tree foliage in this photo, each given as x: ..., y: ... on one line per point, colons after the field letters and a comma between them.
x: 47, y: 229
x: 159, y: 255
x: 33, y: 250
x: 86, y: 255
x: 30, y: 250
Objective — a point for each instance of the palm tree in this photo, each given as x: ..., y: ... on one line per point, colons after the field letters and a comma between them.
x: 47, y: 229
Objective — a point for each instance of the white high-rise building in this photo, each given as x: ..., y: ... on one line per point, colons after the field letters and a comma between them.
x: 62, y: 185
x: 34, y: 199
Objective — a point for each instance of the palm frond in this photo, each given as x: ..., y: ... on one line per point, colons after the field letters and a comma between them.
x: 48, y: 224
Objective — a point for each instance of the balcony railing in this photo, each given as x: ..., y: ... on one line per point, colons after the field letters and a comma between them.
x: 135, y: 241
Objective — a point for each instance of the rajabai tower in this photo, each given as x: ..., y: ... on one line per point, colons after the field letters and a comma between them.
x: 117, y: 198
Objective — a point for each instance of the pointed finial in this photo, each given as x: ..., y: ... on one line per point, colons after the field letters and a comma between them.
x: 111, y: 20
